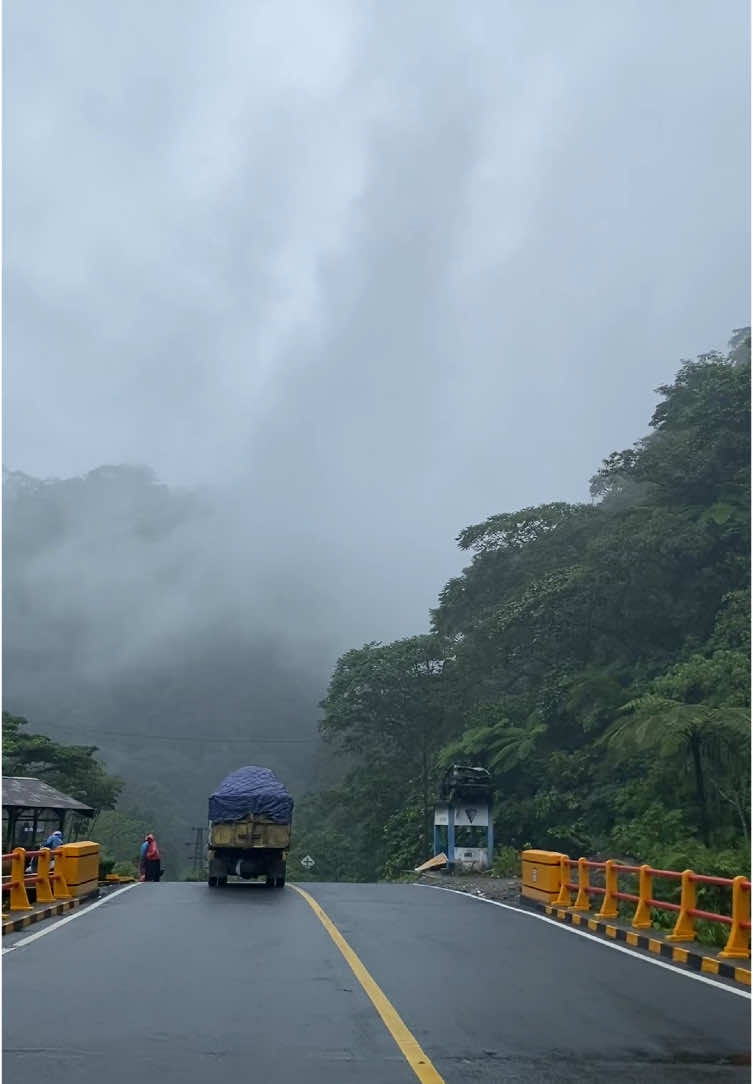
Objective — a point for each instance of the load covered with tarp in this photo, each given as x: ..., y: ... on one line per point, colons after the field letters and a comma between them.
x: 250, y: 791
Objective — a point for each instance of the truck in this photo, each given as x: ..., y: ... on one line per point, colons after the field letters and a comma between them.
x: 250, y: 819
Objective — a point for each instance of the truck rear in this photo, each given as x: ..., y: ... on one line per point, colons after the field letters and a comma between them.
x: 250, y: 817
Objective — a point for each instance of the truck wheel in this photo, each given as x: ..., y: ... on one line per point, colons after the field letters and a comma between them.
x: 280, y: 881
x: 212, y: 882
x: 271, y: 881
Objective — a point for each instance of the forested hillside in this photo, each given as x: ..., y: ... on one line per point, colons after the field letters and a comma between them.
x: 595, y: 657
x: 135, y: 621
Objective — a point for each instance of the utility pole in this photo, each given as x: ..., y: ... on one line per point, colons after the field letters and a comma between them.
x: 198, y: 852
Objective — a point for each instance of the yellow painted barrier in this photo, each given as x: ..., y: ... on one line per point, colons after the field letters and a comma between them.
x: 564, y: 898
x: 642, y: 916
x: 48, y: 881
x: 59, y: 885
x: 684, y: 928
x: 44, y: 884
x: 541, y: 876
x: 609, y: 907
x: 78, y: 863
x: 19, y: 901
x: 546, y: 877
x: 738, y: 942
x: 583, y: 899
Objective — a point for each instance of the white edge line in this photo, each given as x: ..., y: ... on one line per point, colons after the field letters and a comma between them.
x: 68, y: 918
x: 599, y: 940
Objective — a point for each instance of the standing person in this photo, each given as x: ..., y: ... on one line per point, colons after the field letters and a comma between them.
x: 149, y: 859
x: 54, y: 841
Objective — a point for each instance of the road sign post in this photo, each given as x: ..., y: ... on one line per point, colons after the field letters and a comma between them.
x: 465, y: 805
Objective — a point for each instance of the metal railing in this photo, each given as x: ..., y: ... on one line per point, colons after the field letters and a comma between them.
x: 48, y: 880
x: 687, y: 910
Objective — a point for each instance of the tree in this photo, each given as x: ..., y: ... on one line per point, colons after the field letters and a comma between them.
x: 584, y: 655
x: 385, y: 705
x: 72, y: 769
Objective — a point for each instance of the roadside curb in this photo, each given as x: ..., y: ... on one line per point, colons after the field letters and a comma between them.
x: 20, y: 923
x: 692, y: 959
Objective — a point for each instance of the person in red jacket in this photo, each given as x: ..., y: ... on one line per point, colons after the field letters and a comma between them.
x: 149, y: 860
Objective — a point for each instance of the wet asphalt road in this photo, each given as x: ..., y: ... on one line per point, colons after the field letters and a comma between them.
x: 176, y: 983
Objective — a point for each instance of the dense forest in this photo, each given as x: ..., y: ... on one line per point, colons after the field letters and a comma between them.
x: 594, y: 657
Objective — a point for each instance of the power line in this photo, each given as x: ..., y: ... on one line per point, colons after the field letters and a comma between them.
x: 204, y: 740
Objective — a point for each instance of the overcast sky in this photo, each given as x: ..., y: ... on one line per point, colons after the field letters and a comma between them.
x: 384, y: 268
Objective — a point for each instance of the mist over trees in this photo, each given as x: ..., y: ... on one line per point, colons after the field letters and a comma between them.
x: 133, y: 621
x: 595, y: 657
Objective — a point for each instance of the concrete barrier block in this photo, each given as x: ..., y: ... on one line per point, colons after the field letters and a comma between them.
x: 541, y: 875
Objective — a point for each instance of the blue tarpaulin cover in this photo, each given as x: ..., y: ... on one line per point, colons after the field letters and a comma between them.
x: 250, y: 790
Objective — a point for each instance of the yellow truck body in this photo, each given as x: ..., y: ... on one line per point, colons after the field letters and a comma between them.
x: 253, y: 847
x: 250, y: 833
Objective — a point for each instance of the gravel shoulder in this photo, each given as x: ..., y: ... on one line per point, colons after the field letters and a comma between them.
x: 504, y: 889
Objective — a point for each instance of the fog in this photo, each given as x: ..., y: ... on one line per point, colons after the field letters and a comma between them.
x: 347, y: 278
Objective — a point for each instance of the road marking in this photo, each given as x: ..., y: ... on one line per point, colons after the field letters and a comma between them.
x: 408, y: 1044
x: 599, y: 940
x: 68, y: 918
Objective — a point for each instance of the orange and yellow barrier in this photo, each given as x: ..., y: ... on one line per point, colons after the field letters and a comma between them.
x: 547, y: 876
x: 70, y: 872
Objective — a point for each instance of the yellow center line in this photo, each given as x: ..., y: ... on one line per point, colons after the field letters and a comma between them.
x: 409, y: 1046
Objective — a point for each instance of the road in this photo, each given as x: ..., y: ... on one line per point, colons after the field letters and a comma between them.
x: 176, y: 983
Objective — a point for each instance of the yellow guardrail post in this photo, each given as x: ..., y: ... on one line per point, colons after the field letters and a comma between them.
x: 642, y: 916
x: 582, y: 900
x: 60, y: 886
x: 738, y: 942
x: 609, y: 907
x: 19, y: 901
x: 44, y: 888
x: 684, y: 929
x: 564, y: 899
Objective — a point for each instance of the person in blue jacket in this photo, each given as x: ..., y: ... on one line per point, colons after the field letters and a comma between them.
x: 149, y: 860
x: 53, y: 842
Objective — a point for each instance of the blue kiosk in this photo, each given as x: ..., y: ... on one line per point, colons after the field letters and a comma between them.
x: 463, y: 824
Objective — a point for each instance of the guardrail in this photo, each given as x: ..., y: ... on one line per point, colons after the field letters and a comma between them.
x: 546, y: 877
x: 687, y: 910
x: 48, y: 881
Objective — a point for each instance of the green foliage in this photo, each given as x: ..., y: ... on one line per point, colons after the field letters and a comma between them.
x: 125, y: 869
x: 120, y: 835
x: 106, y: 864
x: 324, y: 828
x: 404, y: 842
x: 72, y: 769
x: 506, y: 862
x: 595, y: 658
x: 390, y: 707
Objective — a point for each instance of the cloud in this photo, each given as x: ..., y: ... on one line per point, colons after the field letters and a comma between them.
x: 370, y: 272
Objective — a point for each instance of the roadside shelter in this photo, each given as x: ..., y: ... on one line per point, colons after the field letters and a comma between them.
x: 33, y: 809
